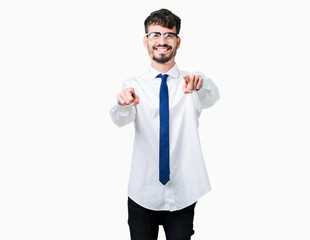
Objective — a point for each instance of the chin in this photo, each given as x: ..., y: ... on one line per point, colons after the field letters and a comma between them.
x: 161, y: 59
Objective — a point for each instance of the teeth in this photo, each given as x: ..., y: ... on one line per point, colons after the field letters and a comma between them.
x: 162, y: 49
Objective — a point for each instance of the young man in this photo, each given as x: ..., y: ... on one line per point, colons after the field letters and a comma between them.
x: 168, y: 173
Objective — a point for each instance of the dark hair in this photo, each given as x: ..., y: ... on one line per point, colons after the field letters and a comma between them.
x: 164, y: 18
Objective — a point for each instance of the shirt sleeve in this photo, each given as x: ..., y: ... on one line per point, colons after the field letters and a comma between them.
x: 123, y: 115
x: 208, y: 94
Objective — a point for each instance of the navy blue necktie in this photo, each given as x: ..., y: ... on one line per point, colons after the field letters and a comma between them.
x: 164, y: 130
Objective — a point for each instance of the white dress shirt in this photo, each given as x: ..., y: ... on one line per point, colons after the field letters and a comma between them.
x: 188, y: 176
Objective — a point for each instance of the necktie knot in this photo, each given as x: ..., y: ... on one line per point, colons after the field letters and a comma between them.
x: 163, y: 77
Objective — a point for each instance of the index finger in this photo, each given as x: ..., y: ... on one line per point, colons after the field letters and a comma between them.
x: 190, y: 82
x: 129, y: 94
x: 186, y: 78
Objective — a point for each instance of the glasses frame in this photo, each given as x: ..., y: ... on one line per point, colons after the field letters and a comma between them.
x: 165, y: 35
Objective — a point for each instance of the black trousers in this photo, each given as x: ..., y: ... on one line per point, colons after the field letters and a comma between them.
x: 144, y: 223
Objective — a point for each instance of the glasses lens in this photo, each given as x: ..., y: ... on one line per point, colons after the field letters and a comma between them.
x: 154, y: 36
x: 169, y: 36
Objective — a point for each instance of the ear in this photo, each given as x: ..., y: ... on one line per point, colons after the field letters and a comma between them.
x: 145, y: 41
x: 178, y: 42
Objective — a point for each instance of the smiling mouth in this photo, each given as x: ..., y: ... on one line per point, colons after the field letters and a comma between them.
x: 162, y: 49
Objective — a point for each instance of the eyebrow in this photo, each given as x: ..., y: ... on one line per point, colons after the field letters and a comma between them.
x: 163, y: 33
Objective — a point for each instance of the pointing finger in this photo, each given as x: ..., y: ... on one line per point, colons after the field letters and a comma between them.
x: 129, y: 95
x: 186, y: 78
x: 190, y: 82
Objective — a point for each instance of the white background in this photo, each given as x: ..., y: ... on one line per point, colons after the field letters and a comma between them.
x: 62, y: 64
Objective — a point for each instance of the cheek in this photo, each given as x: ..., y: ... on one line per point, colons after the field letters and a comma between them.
x: 149, y: 49
x: 176, y: 46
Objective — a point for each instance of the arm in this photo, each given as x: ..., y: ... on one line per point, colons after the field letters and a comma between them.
x: 122, y: 115
x: 203, y: 87
x: 124, y: 112
x: 208, y: 94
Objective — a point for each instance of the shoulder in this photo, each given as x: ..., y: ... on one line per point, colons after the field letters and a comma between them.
x: 134, y: 80
x: 183, y: 73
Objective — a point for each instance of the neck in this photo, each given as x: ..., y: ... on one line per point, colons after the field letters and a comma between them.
x: 163, y: 67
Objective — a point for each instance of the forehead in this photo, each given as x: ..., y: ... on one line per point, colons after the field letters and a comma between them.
x: 161, y: 29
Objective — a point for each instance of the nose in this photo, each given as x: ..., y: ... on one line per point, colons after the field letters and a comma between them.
x: 162, y: 39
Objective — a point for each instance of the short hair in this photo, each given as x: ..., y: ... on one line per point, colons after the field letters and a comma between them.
x: 164, y: 18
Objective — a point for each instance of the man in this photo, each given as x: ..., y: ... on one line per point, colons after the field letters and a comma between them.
x: 168, y: 173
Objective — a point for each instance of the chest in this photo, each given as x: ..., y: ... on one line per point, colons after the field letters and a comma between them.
x: 148, y: 94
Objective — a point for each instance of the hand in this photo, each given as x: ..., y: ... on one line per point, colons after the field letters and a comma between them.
x: 127, y: 96
x: 192, y: 82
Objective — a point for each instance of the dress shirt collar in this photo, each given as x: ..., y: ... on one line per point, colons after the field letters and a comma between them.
x: 174, y: 72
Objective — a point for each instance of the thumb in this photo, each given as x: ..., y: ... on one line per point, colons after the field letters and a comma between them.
x: 131, y: 92
x: 136, y: 99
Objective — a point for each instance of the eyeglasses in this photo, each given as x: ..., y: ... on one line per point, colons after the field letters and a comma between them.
x: 155, y: 36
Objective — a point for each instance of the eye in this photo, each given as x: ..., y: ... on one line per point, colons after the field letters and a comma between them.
x: 154, y: 35
x: 169, y: 35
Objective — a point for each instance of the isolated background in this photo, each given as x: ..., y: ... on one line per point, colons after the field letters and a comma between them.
x: 62, y: 64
